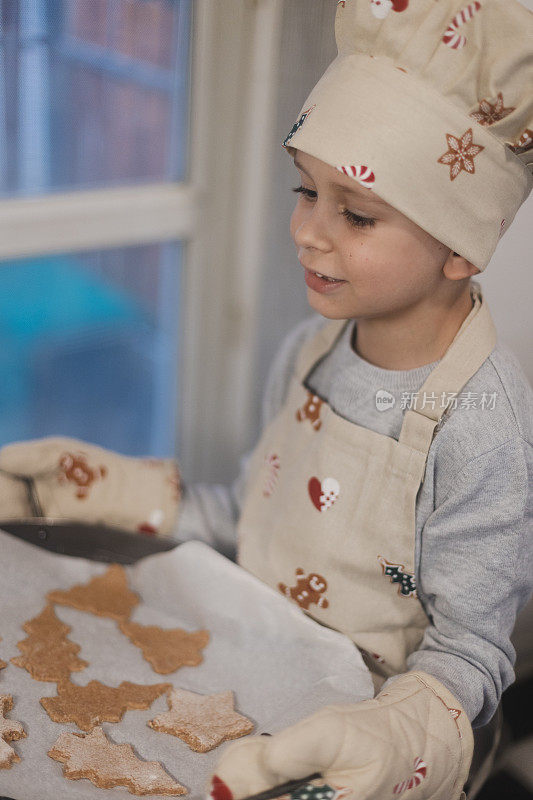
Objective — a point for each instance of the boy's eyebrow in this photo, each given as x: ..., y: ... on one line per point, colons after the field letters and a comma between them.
x: 369, y: 197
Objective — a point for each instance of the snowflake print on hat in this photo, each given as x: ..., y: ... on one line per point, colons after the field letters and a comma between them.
x: 460, y: 154
x: 419, y: 773
x: 397, y: 574
x: 488, y: 114
x: 272, y: 463
x: 362, y: 174
x: 297, y: 125
x: 451, y: 37
x: 309, y: 589
x: 324, y: 494
x: 381, y: 8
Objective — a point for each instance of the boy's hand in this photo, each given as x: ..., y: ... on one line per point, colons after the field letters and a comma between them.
x: 82, y: 482
x: 414, y: 733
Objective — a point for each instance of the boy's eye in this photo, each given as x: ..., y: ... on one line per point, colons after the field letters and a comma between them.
x: 351, y: 216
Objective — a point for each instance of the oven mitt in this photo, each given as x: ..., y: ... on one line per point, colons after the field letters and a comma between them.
x: 413, y: 734
x: 84, y: 483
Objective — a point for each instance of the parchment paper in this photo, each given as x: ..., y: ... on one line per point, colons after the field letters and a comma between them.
x: 280, y: 664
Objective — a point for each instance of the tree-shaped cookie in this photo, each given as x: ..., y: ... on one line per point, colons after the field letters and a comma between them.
x: 10, y: 731
x: 105, y: 764
x: 48, y: 655
x: 89, y: 705
x: 202, y: 721
x: 166, y: 649
x: 106, y: 595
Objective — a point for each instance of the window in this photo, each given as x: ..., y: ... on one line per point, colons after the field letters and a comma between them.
x: 95, y: 97
x: 152, y: 152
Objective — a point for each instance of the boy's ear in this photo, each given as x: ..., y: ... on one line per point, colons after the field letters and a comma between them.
x: 456, y: 267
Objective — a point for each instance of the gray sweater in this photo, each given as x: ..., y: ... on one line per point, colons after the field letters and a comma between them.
x: 474, y: 510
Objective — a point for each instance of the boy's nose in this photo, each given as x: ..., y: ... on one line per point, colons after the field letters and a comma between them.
x: 313, y: 232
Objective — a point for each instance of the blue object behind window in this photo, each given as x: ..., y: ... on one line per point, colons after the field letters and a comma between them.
x: 78, y: 357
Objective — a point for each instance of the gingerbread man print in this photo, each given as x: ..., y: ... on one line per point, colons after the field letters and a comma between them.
x: 311, y: 411
x: 74, y: 468
x: 309, y: 589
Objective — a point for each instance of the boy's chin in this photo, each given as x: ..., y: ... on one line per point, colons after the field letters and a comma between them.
x: 328, y: 308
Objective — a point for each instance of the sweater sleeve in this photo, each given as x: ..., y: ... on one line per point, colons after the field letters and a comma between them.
x: 210, y: 512
x: 475, y: 566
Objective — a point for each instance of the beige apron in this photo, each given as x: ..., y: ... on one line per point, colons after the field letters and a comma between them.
x: 329, y: 511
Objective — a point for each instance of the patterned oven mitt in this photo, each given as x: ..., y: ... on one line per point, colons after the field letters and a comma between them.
x: 414, y: 735
x: 82, y: 482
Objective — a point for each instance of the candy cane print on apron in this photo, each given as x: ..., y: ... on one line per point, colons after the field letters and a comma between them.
x: 329, y: 512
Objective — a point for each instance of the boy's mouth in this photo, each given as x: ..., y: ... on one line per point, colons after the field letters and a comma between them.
x: 321, y: 283
x: 327, y: 278
x: 320, y: 274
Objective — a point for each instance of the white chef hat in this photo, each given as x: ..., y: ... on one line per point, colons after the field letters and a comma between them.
x: 429, y: 103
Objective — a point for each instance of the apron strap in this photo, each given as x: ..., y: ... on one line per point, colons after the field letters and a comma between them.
x: 318, y: 346
x: 472, y: 344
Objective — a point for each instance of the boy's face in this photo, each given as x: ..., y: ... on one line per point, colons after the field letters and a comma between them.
x: 384, y: 266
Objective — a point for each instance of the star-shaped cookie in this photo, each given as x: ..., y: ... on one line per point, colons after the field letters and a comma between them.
x: 202, y: 721
x: 460, y: 154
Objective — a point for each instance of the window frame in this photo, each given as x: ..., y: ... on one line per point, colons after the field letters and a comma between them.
x: 218, y: 213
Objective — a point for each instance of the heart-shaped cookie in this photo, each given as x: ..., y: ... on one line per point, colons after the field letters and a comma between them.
x: 323, y: 494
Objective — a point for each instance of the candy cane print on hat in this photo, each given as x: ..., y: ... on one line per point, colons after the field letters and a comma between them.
x: 362, y: 174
